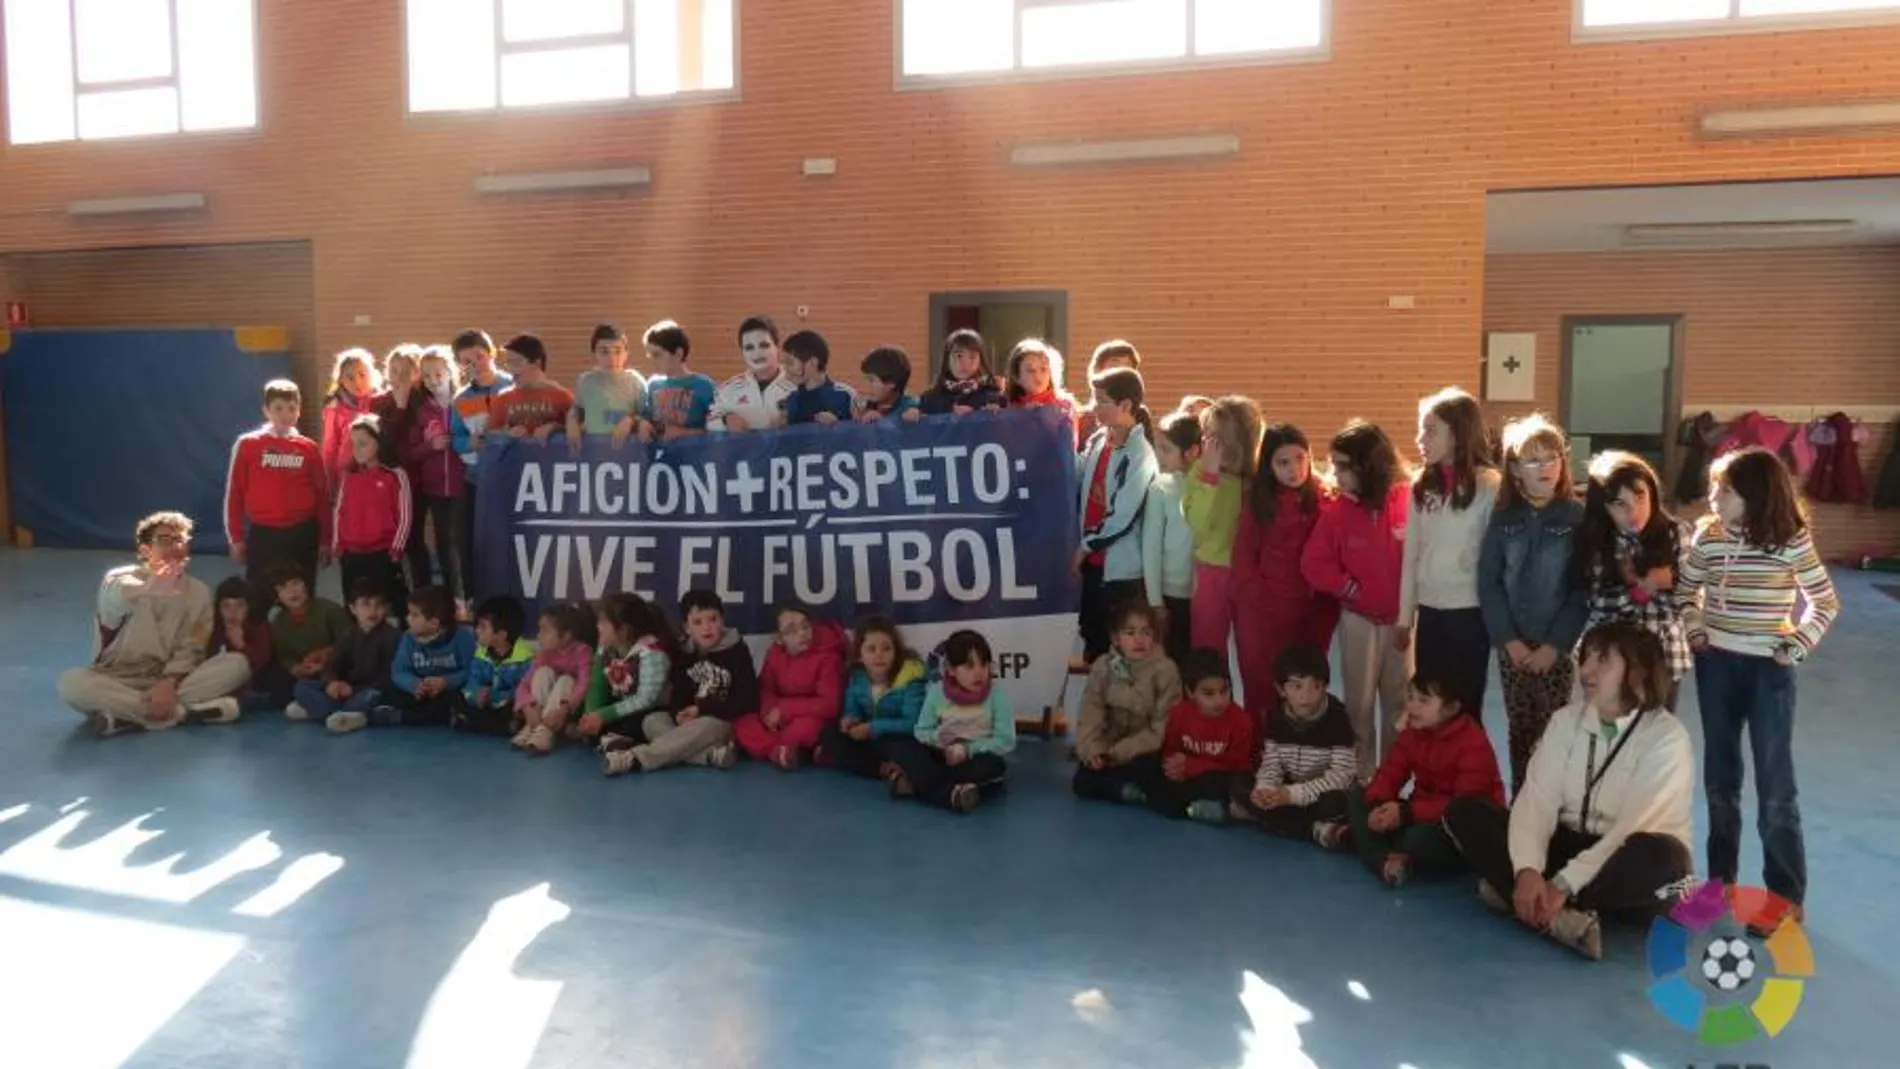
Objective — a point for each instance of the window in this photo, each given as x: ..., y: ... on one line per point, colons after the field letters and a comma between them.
x: 478, y: 55
x: 1613, y: 16
x: 959, y: 38
x: 84, y: 69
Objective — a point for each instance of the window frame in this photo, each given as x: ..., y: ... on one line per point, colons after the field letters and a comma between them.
x: 256, y: 128
x: 633, y: 102
x: 1732, y: 24
x: 1017, y: 73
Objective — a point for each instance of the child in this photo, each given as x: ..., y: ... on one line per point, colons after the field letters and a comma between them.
x: 242, y: 629
x: 1628, y: 556
x: 432, y: 665
x: 965, y: 384
x: 1115, y: 471
x: 609, y: 398
x: 964, y: 730
x: 353, y: 387
x: 305, y: 632
x: 396, y: 404
x: 817, y: 398
x: 1206, y: 748
x: 468, y: 426
x: 677, y: 401
x: 1739, y: 581
x: 801, y: 690
x: 1167, y: 543
x: 437, y: 475
x: 714, y: 684
x: 356, y: 673
x: 1107, y: 357
x: 1443, y: 753
x: 1230, y: 445
x: 1124, y: 709
x: 1453, y: 495
x: 556, y: 682
x: 886, y: 373
x: 277, y: 496
x: 1034, y: 378
x: 1356, y: 554
x: 630, y: 674
x: 503, y: 659
x: 882, y: 701
x: 1282, y: 509
x: 371, y: 522
x: 1307, y: 761
x: 535, y: 406
x: 1533, y: 601
x: 754, y: 400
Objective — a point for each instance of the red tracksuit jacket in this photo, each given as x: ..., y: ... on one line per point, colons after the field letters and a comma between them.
x: 1452, y: 760
x: 1357, y: 555
x: 372, y: 511
x: 276, y: 480
x: 1210, y: 743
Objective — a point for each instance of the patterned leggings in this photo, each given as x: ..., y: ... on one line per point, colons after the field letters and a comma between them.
x: 1529, y: 701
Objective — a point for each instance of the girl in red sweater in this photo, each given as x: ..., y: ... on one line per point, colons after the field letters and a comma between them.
x: 353, y: 386
x: 1356, y: 553
x: 370, y: 526
x: 801, y: 690
x: 1035, y: 378
x: 1281, y: 608
x: 1443, y: 752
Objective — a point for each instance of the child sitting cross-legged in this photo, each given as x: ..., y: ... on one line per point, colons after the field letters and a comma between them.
x: 432, y: 664
x: 964, y: 730
x: 1207, y: 750
x: 486, y: 704
x: 630, y: 675
x: 1443, y: 752
x: 1307, y: 762
x: 357, y: 670
x: 882, y: 701
x: 1124, y: 708
x: 556, y: 683
x: 242, y: 629
x: 713, y: 684
x: 304, y: 632
x: 801, y: 690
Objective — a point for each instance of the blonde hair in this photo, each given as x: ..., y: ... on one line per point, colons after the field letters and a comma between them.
x: 445, y: 356
x: 360, y: 357
x: 1525, y: 432
x: 406, y: 353
x: 1234, y: 421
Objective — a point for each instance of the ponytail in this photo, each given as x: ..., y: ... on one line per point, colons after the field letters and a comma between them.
x: 1146, y: 420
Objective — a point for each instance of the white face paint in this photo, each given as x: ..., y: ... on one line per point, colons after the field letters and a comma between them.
x: 760, y: 353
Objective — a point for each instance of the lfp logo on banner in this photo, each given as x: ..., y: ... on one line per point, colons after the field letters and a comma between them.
x: 943, y: 524
x: 1728, y: 964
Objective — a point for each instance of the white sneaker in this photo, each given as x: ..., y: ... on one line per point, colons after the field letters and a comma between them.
x: 520, y: 741
x: 620, y: 762
x: 216, y: 711
x: 541, y: 740
x: 724, y: 755
x: 1580, y: 930
x: 344, y: 723
x: 1493, y: 901
x: 296, y: 711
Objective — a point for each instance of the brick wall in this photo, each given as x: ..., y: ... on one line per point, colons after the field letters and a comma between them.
x: 1770, y: 328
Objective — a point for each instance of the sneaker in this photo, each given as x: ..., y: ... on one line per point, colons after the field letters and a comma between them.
x: 899, y: 784
x: 1579, y: 930
x: 1207, y: 811
x: 725, y: 755
x: 885, y: 770
x: 1333, y: 835
x: 215, y: 711
x: 345, y: 722
x: 296, y: 711
x: 610, y: 743
x: 1132, y: 794
x: 621, y: 762
x: 520, y: 741
x: 104, y: 727
x: 386, y: 716
x: 1494, y: 901
x: 1396, y: 871
x: 964, y: 797
x: 541, y: 740
x: 1236, y: 811
x: 820, y: 757
x: 785, y: 757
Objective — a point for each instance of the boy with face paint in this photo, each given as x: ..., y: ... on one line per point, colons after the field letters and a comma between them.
x: 754, y: 400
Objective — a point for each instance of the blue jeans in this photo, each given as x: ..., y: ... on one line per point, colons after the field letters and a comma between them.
x: 1735, y: 691
x: 309, y: 694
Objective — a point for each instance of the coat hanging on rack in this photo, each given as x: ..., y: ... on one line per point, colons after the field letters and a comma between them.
x: 1836, y: 477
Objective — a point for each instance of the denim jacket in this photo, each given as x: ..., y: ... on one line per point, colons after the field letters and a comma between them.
x: 1528, y: 586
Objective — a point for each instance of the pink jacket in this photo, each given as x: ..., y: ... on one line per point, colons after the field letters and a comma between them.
x: 575, y: 662
x: 1357, y: 554
x: 809, y: 686
x: 339, y: 411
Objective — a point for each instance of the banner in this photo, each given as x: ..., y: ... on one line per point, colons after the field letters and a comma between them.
x: 942, y: 524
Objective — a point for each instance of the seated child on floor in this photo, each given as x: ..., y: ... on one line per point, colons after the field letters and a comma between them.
x: 306, y: 627
x: 882, y: 701
x: 630, y: 672
x: 1307, y: 762
x: 801, y: 689
x: 964, y: 730
x: 713, y: 684
x: 1124, y: 707
x: 1443, y: 752
x: 503, y: 657
x: 240, y: 629
x: 556, y: 682
x: 1206, y: 752
x: 432, y: 664
x: 356, y: 673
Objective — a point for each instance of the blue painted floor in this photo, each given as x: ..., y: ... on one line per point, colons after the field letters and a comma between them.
x: 266, y: 894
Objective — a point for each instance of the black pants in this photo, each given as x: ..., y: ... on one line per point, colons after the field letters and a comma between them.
x: 932, y: 779
x: 380, y: 570
x: 437, y: 513
x: 1292, y: 821
x: 1171, y: 798
x: 268, y: 546
x: 463, y: 526
x: 1455, y: 644
x: 1099, y: 598
x: 1632, y: 883
x: 399, y: 708
x: 858, y: 757
x: 493, y: 720
x: 1178, y: 641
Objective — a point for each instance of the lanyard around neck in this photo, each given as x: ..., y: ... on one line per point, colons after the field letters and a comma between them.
x: 1594, y: 775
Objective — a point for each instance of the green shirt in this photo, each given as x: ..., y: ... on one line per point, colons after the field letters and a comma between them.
x: 323, y: 624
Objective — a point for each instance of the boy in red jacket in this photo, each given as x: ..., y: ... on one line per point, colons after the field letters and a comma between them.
x: 371, y: 526
x: 1207, y: 750
x: 276, y: 494
x: 1443, y: 752
x: 801, y: 690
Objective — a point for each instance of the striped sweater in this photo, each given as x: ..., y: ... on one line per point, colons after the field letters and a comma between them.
x: 1309, y: 756
x: 1741, y: 597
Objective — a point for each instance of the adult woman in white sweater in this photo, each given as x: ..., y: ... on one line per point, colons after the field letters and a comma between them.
x: 1602, y: 823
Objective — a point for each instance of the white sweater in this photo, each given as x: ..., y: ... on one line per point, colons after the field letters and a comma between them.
x: 1441, y: 551
x: 1167, y: 543
x: 1649, y: 788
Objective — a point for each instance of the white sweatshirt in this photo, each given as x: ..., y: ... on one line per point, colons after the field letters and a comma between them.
x: 1441, y: 551
x: 762, y: 407
x: 1167, y: 544
x: 1650, y: 787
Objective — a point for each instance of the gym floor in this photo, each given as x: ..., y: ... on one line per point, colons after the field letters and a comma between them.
x: 266, y: 894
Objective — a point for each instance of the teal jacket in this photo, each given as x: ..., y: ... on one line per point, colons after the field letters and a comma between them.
x: 988, y: 728
x: 896, y: 712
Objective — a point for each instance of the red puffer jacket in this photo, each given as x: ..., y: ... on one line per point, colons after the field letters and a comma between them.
x: 1452, y: 760
x: 808, y: 685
